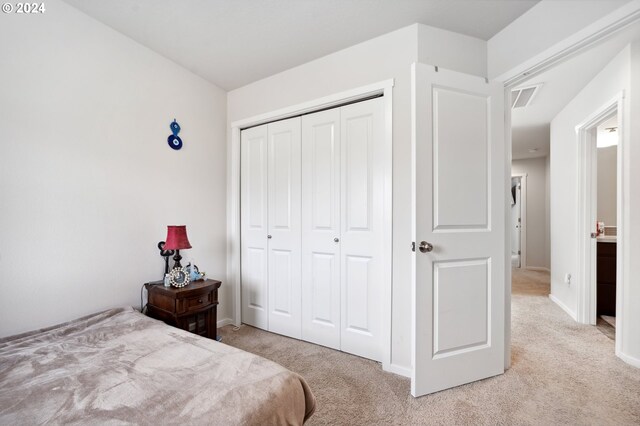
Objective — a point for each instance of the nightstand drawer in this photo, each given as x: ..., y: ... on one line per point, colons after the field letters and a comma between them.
x: 196, y: 303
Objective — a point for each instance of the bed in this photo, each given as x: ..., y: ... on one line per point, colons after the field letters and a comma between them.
x: 120, y: 367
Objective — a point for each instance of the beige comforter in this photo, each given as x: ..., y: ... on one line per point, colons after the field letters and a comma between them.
x: 120, y: 367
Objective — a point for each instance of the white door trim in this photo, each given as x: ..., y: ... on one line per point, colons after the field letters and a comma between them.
x: 507, y: 235
x: 582, y: 40
x: 384, y: 88
x: 586, y: 214
x: 523, y: 218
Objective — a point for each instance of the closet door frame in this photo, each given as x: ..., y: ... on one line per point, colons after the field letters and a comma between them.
x: 384, y: 88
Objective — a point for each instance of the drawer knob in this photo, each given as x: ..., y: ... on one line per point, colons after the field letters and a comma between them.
x: 199, y: 300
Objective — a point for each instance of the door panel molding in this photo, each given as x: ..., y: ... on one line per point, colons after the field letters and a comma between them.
x: 474, y: 326
x: 447, y: 150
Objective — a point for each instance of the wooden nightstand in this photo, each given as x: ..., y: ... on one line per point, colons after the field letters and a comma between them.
x: 193, y: 308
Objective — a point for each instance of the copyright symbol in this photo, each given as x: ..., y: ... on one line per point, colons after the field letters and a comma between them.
x: 7, y: 8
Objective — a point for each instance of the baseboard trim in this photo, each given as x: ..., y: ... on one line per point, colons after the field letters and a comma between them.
x: 635, y: 362
x: 399, y: 370
x: 225, y: 321
x: 563, y: 307
x: 538, y: 268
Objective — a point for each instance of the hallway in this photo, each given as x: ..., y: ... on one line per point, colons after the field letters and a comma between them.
x: 574, y: 364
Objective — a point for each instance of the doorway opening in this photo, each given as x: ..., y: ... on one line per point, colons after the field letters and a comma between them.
x: 600, y: 218
x: 581, y: 77
x: 567, y: 212
x: 607, y: 229
x: 518, y: 220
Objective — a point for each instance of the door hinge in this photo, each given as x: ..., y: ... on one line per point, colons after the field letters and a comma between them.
x: 413, y: 246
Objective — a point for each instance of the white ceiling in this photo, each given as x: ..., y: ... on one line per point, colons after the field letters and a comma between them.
x: 235, y: 42
x: 561, y: 84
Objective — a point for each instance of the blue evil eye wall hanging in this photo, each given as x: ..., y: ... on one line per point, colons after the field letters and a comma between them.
x: 174, y: 140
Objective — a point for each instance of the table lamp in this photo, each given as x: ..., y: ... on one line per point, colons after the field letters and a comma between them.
x: 177, y: 240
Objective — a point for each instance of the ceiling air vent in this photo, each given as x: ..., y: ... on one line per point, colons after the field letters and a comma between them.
x: 522, y: 96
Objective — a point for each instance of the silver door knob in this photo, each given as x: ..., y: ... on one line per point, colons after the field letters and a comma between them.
x: 269, y: 236
x: 425, y: 247
x: 336, y: 240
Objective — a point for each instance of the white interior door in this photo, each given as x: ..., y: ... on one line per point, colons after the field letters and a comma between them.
x: 284, y: 227
x: 361, y: 241
x: 459, y: 184
x: 254, y: 226
x: 321, y: 228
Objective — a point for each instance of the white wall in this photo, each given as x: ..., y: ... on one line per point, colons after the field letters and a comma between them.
x: 537, y: 249
x: 564, y: 158
x: 607, y: 185
x: 87, y: 180
x: 385, y: 57
x: 451, y: 50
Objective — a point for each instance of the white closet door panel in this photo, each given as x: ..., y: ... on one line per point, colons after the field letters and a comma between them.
x: 324, y: 293
x: 281, y: 301
x: 254, y: 226
x: 284, y: 227
x: 358, y: 271
x: 320, y: 226
x: 361, y: 245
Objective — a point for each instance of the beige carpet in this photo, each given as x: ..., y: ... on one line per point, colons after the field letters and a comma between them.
x: 562, y: 373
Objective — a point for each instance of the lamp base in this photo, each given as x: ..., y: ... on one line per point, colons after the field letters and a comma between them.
x: 177, y: 258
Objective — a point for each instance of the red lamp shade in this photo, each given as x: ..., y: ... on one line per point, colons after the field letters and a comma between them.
x: 177, y: 238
